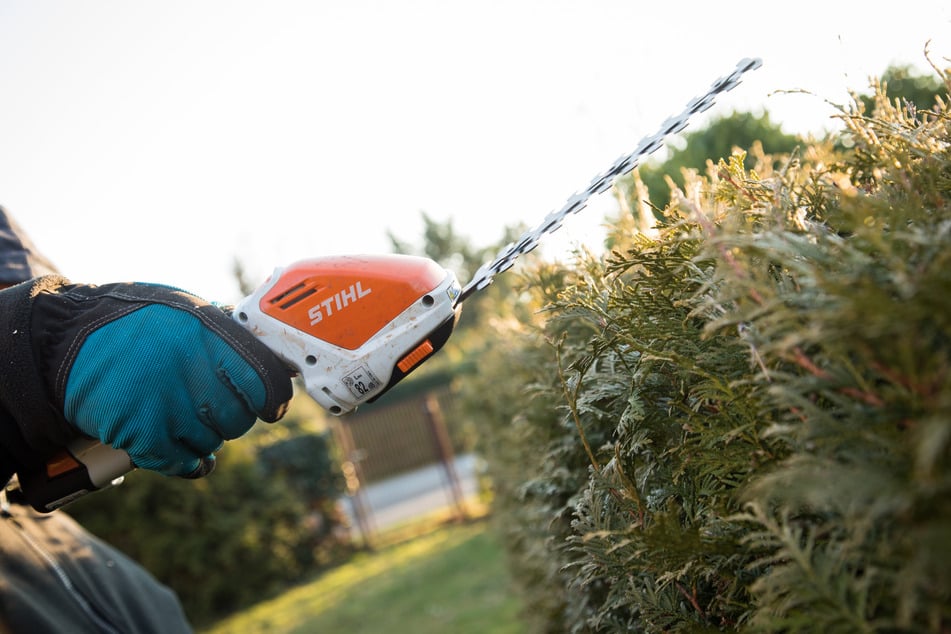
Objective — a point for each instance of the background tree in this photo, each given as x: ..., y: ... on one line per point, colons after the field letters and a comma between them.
x: 441, y: 243
x: 717, y: 139
x: 908, y: 88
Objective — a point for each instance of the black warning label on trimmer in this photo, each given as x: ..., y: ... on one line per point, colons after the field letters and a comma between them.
x: 361, y: 382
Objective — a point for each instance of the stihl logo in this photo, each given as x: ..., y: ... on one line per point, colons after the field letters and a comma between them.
x: 336, y: 302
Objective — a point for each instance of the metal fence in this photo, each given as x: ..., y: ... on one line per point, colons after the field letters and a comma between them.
x: 385, y: 440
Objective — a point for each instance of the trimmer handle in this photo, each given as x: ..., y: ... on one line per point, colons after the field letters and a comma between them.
x: 84, y: 466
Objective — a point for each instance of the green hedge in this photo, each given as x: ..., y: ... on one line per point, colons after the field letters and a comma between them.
x: 740, y: 420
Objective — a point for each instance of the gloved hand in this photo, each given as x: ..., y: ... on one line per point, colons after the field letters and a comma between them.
x: 149, y: 369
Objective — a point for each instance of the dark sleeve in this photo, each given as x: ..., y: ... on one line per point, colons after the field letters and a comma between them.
x: 28, y: 422
x: 104, y: 591
x: 19, y: 259
x: 8, y: 458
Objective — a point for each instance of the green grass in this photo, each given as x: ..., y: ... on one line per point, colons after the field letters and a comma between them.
x: 451, y: 580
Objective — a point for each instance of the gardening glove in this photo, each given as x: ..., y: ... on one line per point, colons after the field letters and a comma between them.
x: 149, y: 369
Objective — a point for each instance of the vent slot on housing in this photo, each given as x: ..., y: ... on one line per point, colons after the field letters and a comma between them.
x: 293, y: 295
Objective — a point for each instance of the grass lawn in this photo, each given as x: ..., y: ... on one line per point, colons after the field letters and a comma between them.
x: 451, y: 580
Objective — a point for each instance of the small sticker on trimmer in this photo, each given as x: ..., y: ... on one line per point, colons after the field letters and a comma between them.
x: 361, y: 381
x: 453, y: 292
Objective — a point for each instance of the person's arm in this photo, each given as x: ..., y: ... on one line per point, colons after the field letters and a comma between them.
x: 15, y: 452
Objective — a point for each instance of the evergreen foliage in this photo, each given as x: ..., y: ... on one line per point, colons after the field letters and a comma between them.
x: 740, y: 420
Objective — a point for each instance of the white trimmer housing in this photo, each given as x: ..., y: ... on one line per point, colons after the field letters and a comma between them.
x: 353, y: 326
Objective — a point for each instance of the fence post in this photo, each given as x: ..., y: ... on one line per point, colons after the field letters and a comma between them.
x: 437, y: 425
x: 354, y: 479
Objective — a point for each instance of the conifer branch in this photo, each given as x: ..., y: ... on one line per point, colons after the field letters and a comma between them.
x: 803, y: 361
x: 629, y: 485
x: 572, y: 400
x: 710, y: 229
x: 691, y: 598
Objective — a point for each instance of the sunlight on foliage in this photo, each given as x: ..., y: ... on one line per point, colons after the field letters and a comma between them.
x: 738, y: 420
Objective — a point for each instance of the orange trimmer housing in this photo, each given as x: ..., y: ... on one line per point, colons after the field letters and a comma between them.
x: 353, y: 326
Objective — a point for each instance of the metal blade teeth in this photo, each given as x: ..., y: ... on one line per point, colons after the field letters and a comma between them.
x: 601, y: 183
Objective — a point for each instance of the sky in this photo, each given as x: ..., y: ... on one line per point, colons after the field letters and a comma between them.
x: 160, y: 140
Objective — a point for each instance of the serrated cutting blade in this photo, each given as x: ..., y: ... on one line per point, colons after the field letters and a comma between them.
x: 602, y: 182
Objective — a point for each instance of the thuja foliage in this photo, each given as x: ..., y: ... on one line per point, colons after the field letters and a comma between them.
x: 740, y: 420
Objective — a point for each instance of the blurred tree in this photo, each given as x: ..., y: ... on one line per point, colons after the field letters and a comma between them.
x: 441, y: 243
x: 717, y: 140
x: 909, y: 89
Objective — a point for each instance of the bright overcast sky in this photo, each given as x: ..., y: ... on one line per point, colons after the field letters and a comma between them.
x: 159, y: 140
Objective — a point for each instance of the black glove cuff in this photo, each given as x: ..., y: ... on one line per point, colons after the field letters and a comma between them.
x: 23, y: 392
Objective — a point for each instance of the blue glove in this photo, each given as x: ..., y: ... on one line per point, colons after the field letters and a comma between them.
x: 151, y: 370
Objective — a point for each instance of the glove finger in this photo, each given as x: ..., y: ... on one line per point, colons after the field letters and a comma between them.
x: 258, y: 366
x: 236, y: 399
x: 205, y: 466
x: 190, y: 469
x: 160, y: 445
x: 171, y: 463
